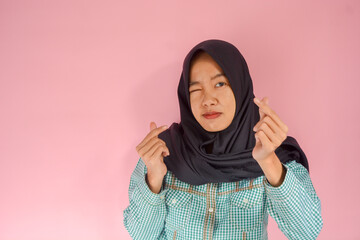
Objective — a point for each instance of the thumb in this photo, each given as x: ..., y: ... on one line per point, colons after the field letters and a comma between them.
x: 152, y: 126
x: 266, y: 101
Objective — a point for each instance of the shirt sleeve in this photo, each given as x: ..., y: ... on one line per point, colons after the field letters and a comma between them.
x: 144, y: 218
x: 294, y: 205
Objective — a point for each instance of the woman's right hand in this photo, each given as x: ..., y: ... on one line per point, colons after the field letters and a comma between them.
x: 152, y: 151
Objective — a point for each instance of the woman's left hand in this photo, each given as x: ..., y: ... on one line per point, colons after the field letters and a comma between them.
x: 270, y: 132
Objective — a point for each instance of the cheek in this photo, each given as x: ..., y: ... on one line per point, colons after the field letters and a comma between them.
x: 194, y: 105
x: 230, y: 102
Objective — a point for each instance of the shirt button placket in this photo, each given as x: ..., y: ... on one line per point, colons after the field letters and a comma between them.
x: 212, y: 208
x: 212, y: 198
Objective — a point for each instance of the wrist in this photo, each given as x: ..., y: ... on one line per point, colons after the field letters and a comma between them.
x: 273, y: 169
x: 153, y: 177
x: 269, y: 161
x: 154, y: 183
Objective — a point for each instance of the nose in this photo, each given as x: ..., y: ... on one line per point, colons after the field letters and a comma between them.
x: 209, y: 99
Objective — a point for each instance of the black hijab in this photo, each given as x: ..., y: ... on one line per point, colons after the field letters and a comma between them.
x: 231, y: 158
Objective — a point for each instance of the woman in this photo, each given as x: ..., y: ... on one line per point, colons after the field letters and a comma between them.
x: 228, y: 164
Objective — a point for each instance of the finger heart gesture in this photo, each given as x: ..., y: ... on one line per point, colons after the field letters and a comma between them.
x: 270, y: 131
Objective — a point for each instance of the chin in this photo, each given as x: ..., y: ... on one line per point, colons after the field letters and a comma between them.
x: 213, y: 129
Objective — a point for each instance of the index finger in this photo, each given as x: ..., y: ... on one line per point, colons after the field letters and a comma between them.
x: 268, y: 111
x: 153, y: 133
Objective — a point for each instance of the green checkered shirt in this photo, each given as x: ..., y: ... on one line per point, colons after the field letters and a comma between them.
x: 232, y: 210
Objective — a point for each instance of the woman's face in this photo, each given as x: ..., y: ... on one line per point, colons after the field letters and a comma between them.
x: 211, y: 97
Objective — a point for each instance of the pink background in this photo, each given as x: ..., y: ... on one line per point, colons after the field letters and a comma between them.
x: 80, y: 82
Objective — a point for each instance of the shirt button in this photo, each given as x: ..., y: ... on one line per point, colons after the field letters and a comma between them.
x: 246, y: 200
x: 174, y: 201
x: 211, y: 209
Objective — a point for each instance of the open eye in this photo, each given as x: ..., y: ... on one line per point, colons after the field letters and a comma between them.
x: 222, y: 83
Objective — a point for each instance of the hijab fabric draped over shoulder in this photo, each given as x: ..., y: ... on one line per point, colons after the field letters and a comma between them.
x: 231, y: 157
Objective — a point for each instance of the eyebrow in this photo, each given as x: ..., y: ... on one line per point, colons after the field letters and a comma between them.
x: 196, y: 82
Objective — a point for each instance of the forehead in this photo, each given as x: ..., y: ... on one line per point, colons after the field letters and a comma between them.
x: 200, y: 55
x: 192, y: 83
x: 204, y: 62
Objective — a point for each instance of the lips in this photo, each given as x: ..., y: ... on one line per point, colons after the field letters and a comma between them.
x: 211, y: 115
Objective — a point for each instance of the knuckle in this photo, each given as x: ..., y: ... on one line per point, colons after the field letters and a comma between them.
x: 148, y: 135
x: 152, y: 133
x: 155, y: 132
x: 157, y: 144
x: 286, y: 128
x: 153, y: 140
